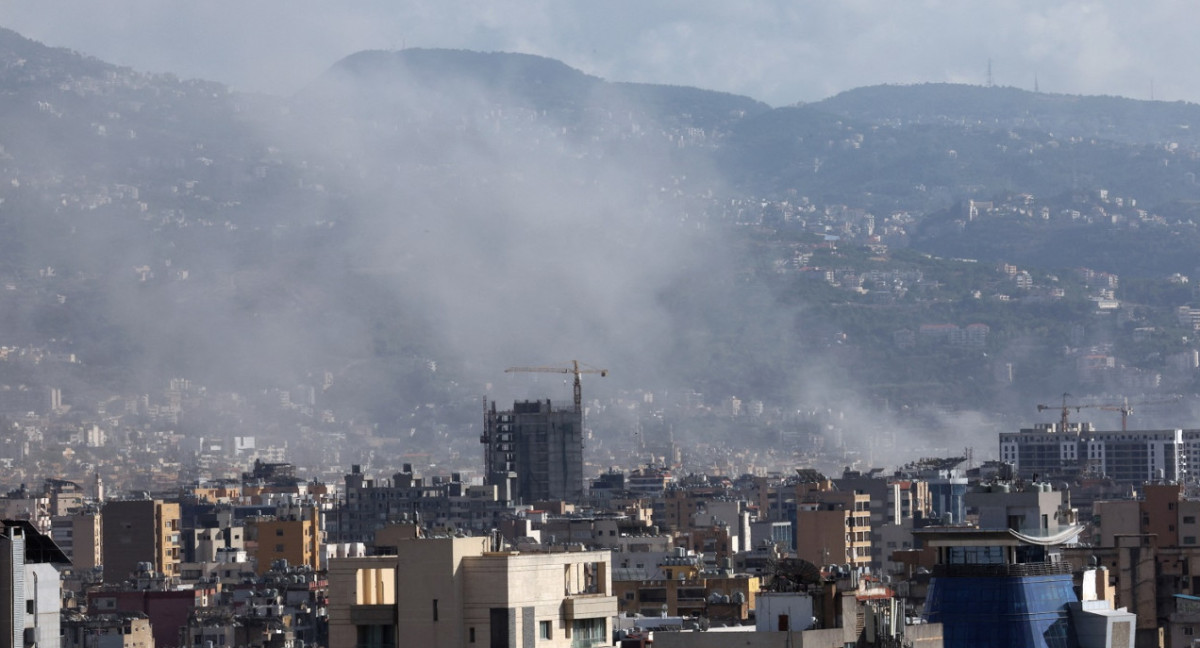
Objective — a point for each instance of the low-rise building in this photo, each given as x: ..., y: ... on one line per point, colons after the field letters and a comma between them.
x: 115, y: 630
x: 295, y: 538
x: 679, y: 586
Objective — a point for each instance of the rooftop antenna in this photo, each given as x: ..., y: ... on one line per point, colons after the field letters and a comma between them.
x: 989, y: 79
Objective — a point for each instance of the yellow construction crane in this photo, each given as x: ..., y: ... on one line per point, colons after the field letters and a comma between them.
x: 1066, y: 409
x: 573, y: 369
x: 1126, y: 408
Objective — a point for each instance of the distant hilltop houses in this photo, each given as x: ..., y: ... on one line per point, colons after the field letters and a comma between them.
x: 1102, y: 208
x: 971, y: 336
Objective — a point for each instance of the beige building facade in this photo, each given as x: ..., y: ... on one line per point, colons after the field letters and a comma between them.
x: 833, y: 527
x: 455, y: 592
x: 297, y: 540
x: 79, y: 536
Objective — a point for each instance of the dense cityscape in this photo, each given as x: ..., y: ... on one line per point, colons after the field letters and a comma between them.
x: 1093, y: 530
x: 912, y: 365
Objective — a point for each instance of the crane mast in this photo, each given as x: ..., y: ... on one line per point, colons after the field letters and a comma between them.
x: 1066, y: 410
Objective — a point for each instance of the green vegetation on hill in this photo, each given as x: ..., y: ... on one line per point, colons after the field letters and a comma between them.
x: 1128, y: 121
x: 178, y: 227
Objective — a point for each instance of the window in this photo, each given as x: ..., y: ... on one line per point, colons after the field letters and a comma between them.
x: 1189, y: 519
x: 435, y: 610
x: 588, y: 630
x: 278, y: 547
x: 279, y: 532
x: 376, y: 636
x: 544, y: 629
x: 1189, y: 540
x: 471, y: 635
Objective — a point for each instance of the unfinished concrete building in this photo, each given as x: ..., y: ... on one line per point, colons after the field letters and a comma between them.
x: 534, y: 452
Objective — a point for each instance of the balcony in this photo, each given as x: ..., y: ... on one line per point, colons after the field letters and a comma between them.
x: 1001, y: 571
x: 589, y: 606
x: 373, y: 615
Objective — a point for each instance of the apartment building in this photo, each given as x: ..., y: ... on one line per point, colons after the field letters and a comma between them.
x: 461, y: 592
x: 140, y: 531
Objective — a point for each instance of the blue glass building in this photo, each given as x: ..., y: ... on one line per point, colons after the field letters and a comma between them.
x: 947, y: 494
x: 999, y: 589
x: 1002, y: 611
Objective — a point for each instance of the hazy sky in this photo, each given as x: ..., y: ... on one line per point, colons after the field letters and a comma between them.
x: 778, y: 51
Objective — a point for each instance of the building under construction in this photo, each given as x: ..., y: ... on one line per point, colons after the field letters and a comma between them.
x: 1051, y: 451
x: 534, y: 452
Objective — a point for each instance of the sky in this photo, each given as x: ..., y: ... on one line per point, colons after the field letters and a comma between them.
x: 778, y: 51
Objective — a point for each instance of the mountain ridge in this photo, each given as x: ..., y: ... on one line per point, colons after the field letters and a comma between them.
x: 528, y: 80
x: 179, y: 226
x: 1111, y: 117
